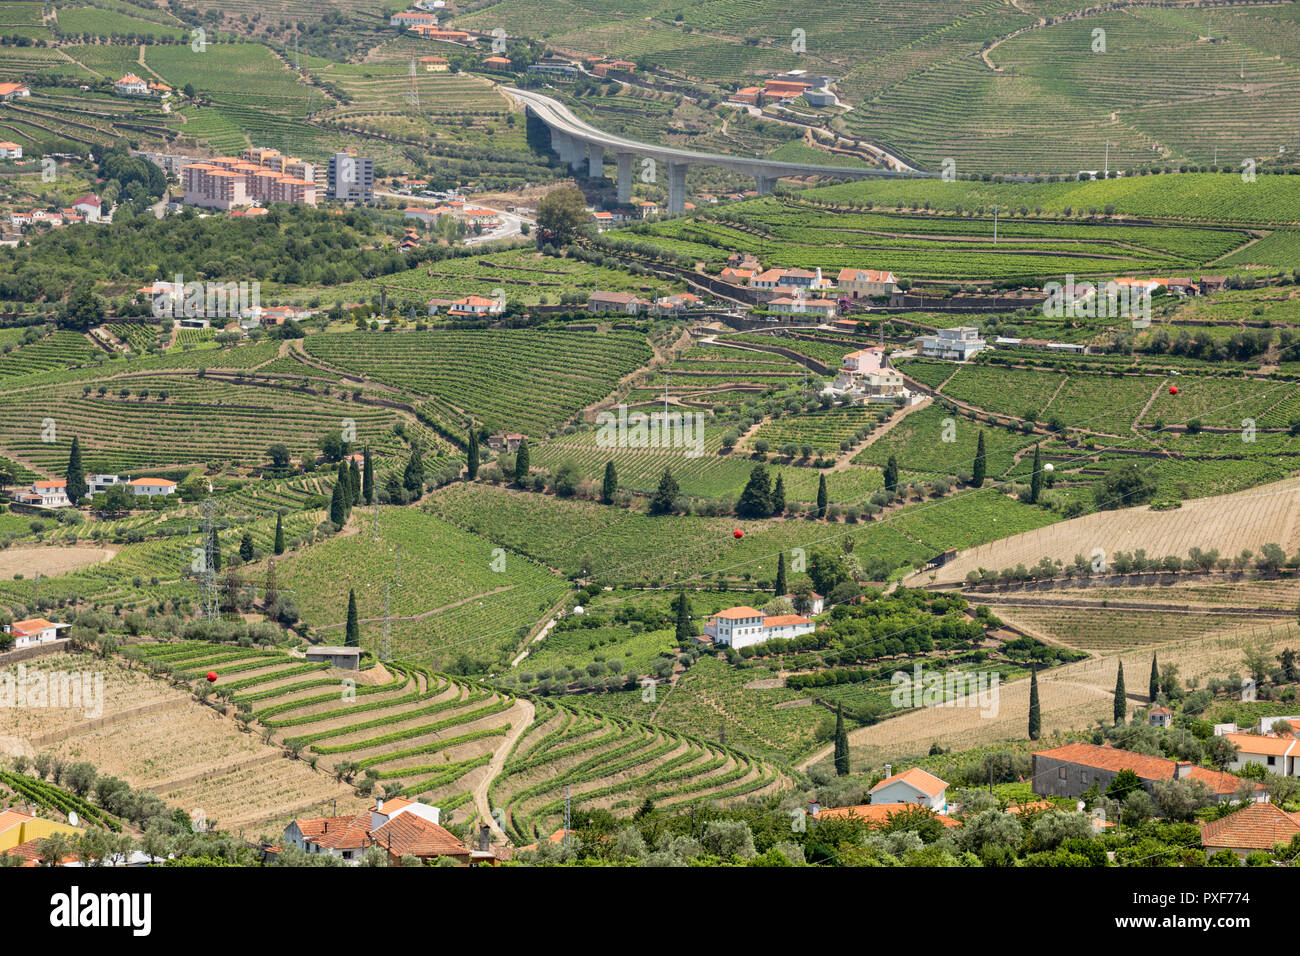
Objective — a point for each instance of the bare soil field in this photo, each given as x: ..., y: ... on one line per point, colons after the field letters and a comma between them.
x: 1072, y: 697
x: 1244, y: 519
x: 48, y: 561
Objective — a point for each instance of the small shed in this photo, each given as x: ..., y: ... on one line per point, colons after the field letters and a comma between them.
x: 347, y: 658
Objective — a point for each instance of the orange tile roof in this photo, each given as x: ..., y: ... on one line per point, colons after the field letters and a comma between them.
x: 337, y: 833
x: 927, y: 783
x: 152, y: 483
x: 878, y: 814
x: 1257, y: 826
x: 735, y: 613
x: 1147, y: 768
x: 1261, y: 744
x: 7, y: 88
x: 786, y: 620
x: 30, y: 625
x: 412, y: 835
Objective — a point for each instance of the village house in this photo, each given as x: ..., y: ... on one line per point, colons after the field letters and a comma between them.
x: 1255, y: 827
x: 348, y: 837
x: 912, y: 786
x: 785, y: 305
x: 674, y: 304
x: 90, y: 206
x: 434, y: 64
x: 411, y: 834
x: 624, y: 302
x: 1277, y: 753
x: 10, y: 150
x: 411, y: 18
x: 1160, y: 717
x: 865, y: 283
x: 1071, y: 769
x: 497, y: 63
x: 131, y: 85
x: 33, y: 631
x: 816, y: 603
x: 554, y: 64
x: 742, y: 626
x: 1066, y: 348
x: 747, y: 96
x: 151, y: 487
x: 443, y: 36
x: 957, y: 344
x: 475, y: 305
x: 18, y: 829
x: 648, y: 208
x: 9, y: 91
x: 46, y: 494
x: 507, y: 440
x: 99, y: 483
x: 873, y: 814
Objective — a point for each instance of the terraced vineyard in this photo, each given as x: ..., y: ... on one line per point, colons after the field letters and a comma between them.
x: 615, y: 764
x: 518, y: 380
x: 143, y: 429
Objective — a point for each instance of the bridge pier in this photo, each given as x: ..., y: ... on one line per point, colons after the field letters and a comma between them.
x: 625, y: 162
x: 676, y: 187
x: 562, y: 144
x: 577, y: 154
x: 765, y: 184
x: 595, y: 160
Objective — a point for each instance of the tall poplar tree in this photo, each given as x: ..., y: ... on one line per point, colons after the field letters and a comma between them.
x: 76, y: 475
x: 980, y: 468
x: 1035, y: 712
x: 1121, y: 703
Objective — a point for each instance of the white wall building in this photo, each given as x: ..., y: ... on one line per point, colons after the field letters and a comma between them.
x: 34, y: 631
x: 149, y: 487
x: 912, y: 786
x: 958, y: 344
x: 742, y: 626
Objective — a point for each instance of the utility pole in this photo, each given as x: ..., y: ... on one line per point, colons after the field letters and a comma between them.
x: 568, y: 818
x: 388, y: 620
x: 375, y: 521
x: 995, y: 225
x: 1106, y: 173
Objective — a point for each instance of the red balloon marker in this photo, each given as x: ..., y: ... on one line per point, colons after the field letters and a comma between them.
x: 738, y: 533
x: 1173, y: 389
x: 212, y: 677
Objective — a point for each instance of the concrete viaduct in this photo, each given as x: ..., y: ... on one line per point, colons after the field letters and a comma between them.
x: 577, y: 142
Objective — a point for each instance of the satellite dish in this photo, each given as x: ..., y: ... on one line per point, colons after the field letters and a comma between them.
x: 72, y: 818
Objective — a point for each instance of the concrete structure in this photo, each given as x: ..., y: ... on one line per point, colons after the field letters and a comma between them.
x: 957, y: 344
x: 351, y: 178
x: 570, y: 137
x: 258, y: 176
x: 742, y: 626
x: 1070, y: 770
x: 912, y: 786
x: 346, y: 658
x: 33, y: 631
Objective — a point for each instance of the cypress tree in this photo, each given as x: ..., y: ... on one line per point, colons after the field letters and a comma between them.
x: 841, y: 743
x: 338, y: 505
x: 1153, y: 691
x: 354, y: 483
x: 353, y: 637
x: 756, y: 500
x: 279, y: 534
x: 76, y: 474
x: 981, y: 463
x: 1036, y: 479
x: 471, y: 467
x: 891, y: 475
x: 343, y: 479
x: 522, y: 466
x: 413, y: 476
x: 684, y: 629
x: 778, y: 496
x: 216, y: 551
x: 1121, y: 704
x: 368, y: 477
x: 1035, y: 713
x: 780, y: 574
x: 246, y: 547
x: 609, y: 487
x: 666, y: 495
x: 822, y: 497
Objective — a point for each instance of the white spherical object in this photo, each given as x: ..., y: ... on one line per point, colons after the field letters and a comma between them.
x: 578, y: 609
x: 1049, y: 467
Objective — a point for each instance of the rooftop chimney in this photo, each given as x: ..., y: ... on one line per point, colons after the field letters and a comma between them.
x: 889, y: 771
x: 484, y: 838
x: 1182, y: 769
x: 813, y: 807
x: 379, y: 805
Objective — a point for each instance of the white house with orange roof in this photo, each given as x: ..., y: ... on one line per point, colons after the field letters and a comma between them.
x: 1277, y: 753
x: 742, y: 626
x: 476, y: 305
x: 10, y: 150
x: 151, y: 487
x: 132, y: 85
x: 46, y: 494
x: 35, y: 630
x: 9, y: 91
x: 912, y: 786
